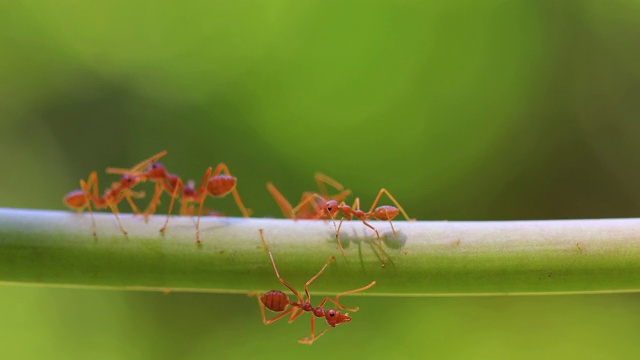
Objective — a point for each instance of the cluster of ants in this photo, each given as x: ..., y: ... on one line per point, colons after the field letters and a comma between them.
x: 219, y: 182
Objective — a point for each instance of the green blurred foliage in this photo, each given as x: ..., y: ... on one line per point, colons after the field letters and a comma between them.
x: 464, y: 110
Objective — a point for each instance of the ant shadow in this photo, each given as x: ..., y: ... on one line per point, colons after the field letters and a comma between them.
x: 396, y: 242
x: 205, y: 228
x: 347, y: 240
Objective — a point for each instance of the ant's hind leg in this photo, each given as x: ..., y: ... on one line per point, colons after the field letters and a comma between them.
x: 336, y: 300
x: 114, y: 209
x: 87, y: 193
x: 284, y: 205
x: 395, y: 202
x: 179, y: 186
x: 306, y: 286
x: 222, y: 168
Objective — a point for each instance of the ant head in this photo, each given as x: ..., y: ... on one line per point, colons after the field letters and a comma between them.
x: 127, y: 180
x: 331, y: 207
x: 335, y: 317
x: 156, y: 170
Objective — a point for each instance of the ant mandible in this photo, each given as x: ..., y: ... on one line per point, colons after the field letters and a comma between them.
x: 322, y: 180
x: 385, y: 212
x: 277, y: 301
x: 79, y: 199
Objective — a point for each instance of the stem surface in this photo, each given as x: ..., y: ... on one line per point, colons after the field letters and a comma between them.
x: 442, y: 257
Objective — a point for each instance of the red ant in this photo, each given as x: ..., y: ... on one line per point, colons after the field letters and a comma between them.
x: 157, y: 173
x: 277, y: 301
x: 213, y: 183
x: 321, y: 180
x: 79, y: 199
x: 385, y: 212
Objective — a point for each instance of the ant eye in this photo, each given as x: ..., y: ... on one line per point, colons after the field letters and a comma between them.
x: 332, y: 313
x: 154, y: 166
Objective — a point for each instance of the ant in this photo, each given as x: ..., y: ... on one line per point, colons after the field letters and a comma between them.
x: 213, y: 183
x: 165, y: 181
x: 322, y: 180
x: 79, y: 199
x: 385, y: 212
x: 277, y: 301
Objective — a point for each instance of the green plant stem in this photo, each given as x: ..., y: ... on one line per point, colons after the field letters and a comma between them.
x: 442, y: 257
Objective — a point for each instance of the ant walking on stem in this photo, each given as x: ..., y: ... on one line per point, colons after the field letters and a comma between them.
x: 79, y: 199
x: 385, y: 212
x: 164, y: 181
x: 217, y: 183
x: 322, y: 180
x: 277, y: 301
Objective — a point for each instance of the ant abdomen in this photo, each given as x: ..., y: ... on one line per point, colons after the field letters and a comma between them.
x: 385, y: 212
x: 76, y: 199
x: 275, y: 300
x: 221, y: 185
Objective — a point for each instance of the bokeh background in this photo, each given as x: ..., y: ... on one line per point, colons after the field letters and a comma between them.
x: 464, y: 110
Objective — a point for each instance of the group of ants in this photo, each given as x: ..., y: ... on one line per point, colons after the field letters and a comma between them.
x: 219, y: 182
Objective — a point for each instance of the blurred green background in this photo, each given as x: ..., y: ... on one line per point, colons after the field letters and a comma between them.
x: 464, y: 110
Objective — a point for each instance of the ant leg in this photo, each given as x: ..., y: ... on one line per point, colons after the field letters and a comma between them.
x: 395, y: 202
x: 179, y: 186
x: 114, y: 209
x: 151, y: 208
x: 94, y: 196
x: 341, y: 196
x: 309, y: 341
x: 336, y: 300
x: 224, y: 169
x: 87, y: 191
x: 92, y: 181
x: 245, y: 212
x: 278, y: 317
x: 307, y: 199
x: 306, y: 286
x: 295, y: 314
x: 284, y: 205
x: 146, y: 162
x: 130, y: 195
x: 338, y: 242
x: 322, y: 180
x: 377, y: 236
x: 136, y: 168
x: 115, y: 170
x: 276, y: 269
x: 136, y: 194
x: 356, y: 204
x: 393, y: 230
x: 184, y: 210
x: 201, y: 194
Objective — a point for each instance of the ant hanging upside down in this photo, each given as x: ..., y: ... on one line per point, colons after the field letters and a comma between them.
x: 277, y: 301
